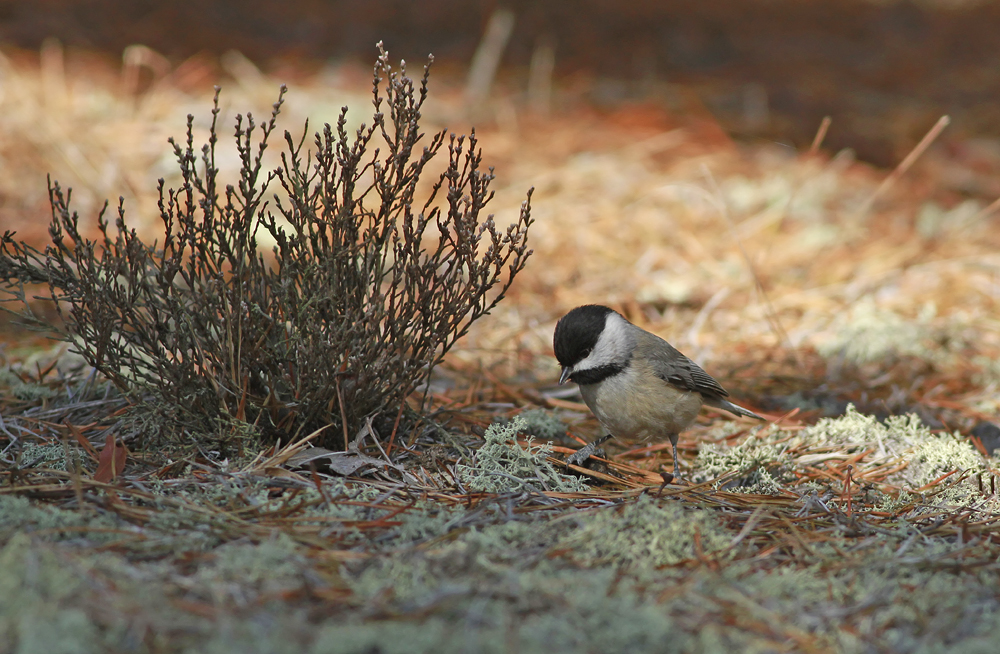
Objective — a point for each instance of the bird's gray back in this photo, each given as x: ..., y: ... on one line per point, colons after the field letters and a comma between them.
x: 676, y: 369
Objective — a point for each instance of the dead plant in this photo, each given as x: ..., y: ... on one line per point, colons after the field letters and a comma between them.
x: 366, y: 290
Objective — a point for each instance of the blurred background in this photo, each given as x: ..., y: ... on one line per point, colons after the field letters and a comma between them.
x: 772, y: 185
x: 772, y: 69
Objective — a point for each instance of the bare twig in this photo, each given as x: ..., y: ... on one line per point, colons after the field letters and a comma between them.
x: 905, y: 164
x: 824, y: 127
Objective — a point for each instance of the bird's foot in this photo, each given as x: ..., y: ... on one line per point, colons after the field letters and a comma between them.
x: 670, y: 478
x: 667, y: 478
x: 579, y: 457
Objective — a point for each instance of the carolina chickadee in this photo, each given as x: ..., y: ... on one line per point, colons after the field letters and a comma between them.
x: 638, y: 385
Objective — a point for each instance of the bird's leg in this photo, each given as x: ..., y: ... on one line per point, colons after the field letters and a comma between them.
x: 581, y: 455
x: 677, y: 467
x: 667, y: 477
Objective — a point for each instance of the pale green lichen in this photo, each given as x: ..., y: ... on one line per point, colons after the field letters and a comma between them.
x: 495, y: 587
x: 754, y: 462
x: 645, y: 534
x: 424, y: 521
x: 18, y: 514
x: 758, y: 462
x: 853, y: 430
x: 933, y: 220
x: 37, y: 596
x: 410, y: 578
x: 927, y: 455
x: 542, y: 424
x: 761, y: 482
x: 28, y: 391
x: 502, y: 465
x: 256, y: 633
x: 41, y: 455
x: 533, y: 612
x: 893, y: 596
x: 940, y: 454
x: 868, y: 333
x: 945, y: 453
x: 588, y: 613
x: 593, y: 580
x: 988, y: 375
x: 887, y: 503
x: 274, y: 565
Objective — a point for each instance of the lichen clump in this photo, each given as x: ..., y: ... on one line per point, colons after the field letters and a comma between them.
x: 647, y: 534
x: 543, y: 424
x: 756, y: 462
x: 870, y: 333
x: 762, y: 461
x: 904, y: 438
x: 502, y: 465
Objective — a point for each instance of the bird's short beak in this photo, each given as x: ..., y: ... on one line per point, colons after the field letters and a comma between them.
x: 566, y: 372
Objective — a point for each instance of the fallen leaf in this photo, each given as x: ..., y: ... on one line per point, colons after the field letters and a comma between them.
x: 111, y: 461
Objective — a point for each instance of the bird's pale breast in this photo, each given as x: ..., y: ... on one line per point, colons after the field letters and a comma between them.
x: 636, y: 404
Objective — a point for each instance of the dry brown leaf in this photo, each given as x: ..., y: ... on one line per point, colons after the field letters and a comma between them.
x: 111, y: 461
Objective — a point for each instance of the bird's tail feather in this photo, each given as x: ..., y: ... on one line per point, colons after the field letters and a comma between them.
x: 734, y: 408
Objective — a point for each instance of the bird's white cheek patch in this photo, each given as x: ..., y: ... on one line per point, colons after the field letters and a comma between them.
x: 612, y: 347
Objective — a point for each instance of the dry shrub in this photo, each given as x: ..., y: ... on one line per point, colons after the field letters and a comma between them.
x: 366, y: 290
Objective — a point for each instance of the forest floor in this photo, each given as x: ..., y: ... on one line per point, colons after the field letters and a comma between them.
x: 855, y: 308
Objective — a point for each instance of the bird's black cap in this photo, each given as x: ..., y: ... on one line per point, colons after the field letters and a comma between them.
x: 577, y: 333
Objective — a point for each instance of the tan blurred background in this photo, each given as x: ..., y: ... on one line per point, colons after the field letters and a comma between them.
x: 771, y: 69
x: 682, y: 168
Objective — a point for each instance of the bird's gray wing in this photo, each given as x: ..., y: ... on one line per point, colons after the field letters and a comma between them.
x: 674, y: 368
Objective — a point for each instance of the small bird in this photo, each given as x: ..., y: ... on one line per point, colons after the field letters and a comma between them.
x: 637, y: 384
